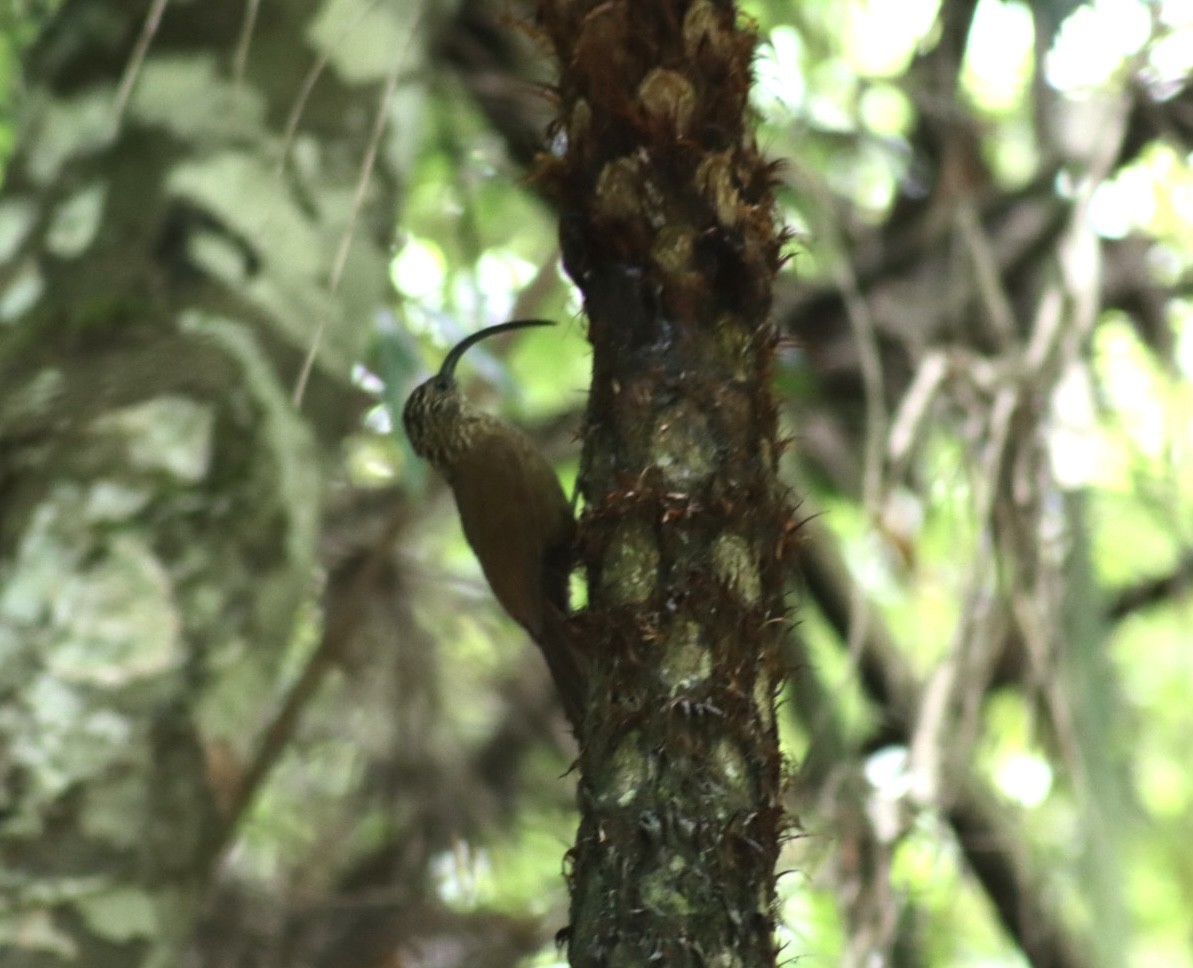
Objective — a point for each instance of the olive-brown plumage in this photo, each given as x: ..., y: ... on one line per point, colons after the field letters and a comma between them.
x: 514, y: 512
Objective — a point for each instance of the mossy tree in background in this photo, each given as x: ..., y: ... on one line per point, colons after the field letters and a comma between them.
x: 169, y: 257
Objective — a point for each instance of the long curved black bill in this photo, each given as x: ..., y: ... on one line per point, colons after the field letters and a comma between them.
x: 453, y: 357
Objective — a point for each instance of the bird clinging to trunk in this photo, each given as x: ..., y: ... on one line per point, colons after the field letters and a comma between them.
x: 515, y: 514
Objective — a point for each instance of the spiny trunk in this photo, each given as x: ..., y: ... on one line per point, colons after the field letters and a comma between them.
x: 668, y: 229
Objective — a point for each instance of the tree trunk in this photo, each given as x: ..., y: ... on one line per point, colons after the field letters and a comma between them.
x: 667, y: 227
x: 162, y: 282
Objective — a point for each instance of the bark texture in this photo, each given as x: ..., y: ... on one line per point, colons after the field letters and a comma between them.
x: 667, y: 227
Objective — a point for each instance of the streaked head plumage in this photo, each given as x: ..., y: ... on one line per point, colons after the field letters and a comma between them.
x: 435, y: 415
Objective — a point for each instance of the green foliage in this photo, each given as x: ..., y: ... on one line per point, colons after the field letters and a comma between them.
x: 20, y: 21
x: 839, y: 99
x: 1087, y: 755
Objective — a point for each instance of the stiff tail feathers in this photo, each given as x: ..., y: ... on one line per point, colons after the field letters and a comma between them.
x: 557, y: 642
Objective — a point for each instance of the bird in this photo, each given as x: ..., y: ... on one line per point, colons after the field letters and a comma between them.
x: 513, y: 510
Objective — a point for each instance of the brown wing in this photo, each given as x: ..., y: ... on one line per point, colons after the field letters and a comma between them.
x: 515, y: 516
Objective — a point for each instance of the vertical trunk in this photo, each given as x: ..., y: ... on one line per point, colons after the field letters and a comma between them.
x: 668, y: 229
